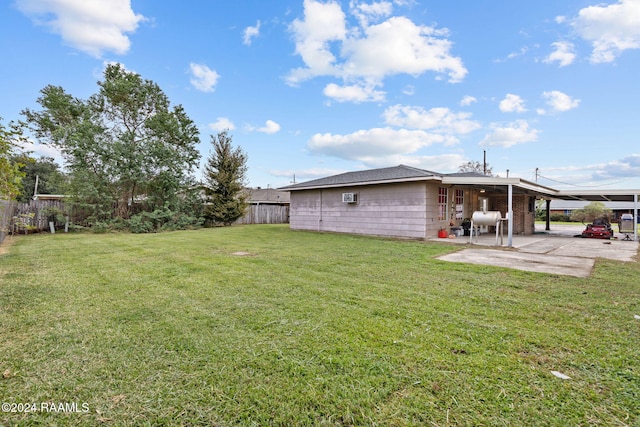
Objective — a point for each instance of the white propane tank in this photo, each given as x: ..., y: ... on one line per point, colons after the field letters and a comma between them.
x: 492, y: 218
x: 488, y: 218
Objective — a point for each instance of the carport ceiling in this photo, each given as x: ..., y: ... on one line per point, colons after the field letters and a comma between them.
x: 599, y: 195
x: 521, y: 186
x: 501, y: 186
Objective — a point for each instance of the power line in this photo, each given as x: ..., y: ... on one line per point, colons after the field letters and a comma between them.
x: 582, y: 186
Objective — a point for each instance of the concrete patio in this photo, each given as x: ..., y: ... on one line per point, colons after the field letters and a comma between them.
x: 554, y: 252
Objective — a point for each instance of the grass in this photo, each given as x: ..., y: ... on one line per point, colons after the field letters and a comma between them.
x: 308, y: 329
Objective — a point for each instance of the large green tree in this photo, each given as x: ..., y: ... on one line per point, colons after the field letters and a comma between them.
x: 593, y: 210
x: 44, y: 172
x: 125, y: 148
x: 225, y: 172
x: 10, y: 173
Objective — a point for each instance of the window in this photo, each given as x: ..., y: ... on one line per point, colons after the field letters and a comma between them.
x: 442, y: 203
x: 459, y: 204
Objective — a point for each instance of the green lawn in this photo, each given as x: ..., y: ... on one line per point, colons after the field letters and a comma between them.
x: 308, y: 329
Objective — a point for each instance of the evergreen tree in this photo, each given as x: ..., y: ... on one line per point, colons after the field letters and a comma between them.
x: 225, y: 181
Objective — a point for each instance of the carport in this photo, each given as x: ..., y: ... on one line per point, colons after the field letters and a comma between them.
x: 513, y: 186
x: 602, y: 196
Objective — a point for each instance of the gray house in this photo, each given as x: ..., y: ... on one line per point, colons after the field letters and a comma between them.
x: 404, y: 201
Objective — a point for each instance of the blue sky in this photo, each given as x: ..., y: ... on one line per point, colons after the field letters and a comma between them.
x: 313, y: 88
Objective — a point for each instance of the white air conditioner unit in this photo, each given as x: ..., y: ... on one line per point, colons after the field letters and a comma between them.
x: 349, y: 198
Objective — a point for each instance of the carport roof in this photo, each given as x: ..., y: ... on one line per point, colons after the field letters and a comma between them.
x: 599, y: 195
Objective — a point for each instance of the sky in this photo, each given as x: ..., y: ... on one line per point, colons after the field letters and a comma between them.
x: 548, y: 90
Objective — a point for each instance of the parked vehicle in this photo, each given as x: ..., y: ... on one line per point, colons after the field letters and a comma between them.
x: 599, y: 229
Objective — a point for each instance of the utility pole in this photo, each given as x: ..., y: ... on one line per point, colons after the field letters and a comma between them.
x: 485, y: 162
x: 537, y: 173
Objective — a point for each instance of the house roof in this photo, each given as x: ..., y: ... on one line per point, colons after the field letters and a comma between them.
x: 401, y: 173
x: 267, y: 195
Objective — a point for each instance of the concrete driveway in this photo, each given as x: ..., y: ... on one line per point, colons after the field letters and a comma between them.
x: 554, y: 252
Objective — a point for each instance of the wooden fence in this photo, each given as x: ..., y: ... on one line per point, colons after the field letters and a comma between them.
x: 7, y: 208
x: 265, y: 213
x: 34, y: 216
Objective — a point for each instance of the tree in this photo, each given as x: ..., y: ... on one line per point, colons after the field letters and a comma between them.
x: 47, y: 173
x: 126, y: 150
x: 225, y: 181
x: 590, y: 212
x: 10, y: 173
x: 477, y: 167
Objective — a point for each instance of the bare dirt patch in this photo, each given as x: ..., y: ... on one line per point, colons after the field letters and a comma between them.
x: 4, y: 247
x: 242, y: 254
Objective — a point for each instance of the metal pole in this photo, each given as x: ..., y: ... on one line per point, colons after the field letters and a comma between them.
x: 548, y: 216
x: 510, y: 217
x: 635, y: 217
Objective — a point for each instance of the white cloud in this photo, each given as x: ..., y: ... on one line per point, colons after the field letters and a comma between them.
x: 367, y: 12
x: 409, y: 90
x: 467, y: 100
x: 512, y: 55
x: 610, y: 28
x: 40, y: 150
x: 512, y: 104
x: 440, y: 120
x: 269, y: 127
x: 364, y: 55
x: 440, y: 163
x: 93, y: 27
x: 353, y: 93
x: 367, y: 145
x: 323, y: 23
x: 204, y: 78
x: 619, y: 169
x: 399, y: 46
x: 627, y: 167
x: 250, y: 33
x: 514, y: 133
x: 306, y: 174
x: 564, y: 53
x: 221, y: 123
x: 560, y: 102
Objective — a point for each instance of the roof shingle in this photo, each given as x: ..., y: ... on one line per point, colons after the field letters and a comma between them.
x: 394, y: 173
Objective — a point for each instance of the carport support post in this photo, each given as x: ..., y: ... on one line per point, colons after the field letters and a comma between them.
x: 510, y: 216
x: 548, y: 216
x: 635, y: 217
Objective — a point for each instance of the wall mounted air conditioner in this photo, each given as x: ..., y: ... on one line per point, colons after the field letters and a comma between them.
x: 349, y: 198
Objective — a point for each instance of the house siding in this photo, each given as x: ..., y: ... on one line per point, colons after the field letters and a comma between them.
x: 393, y: 210
x: 523, y: 219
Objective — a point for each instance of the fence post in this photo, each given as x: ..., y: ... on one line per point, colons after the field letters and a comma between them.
x: 7, y: 208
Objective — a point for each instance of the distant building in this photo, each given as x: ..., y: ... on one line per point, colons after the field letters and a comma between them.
x: 266, y: 206
x: 567, y: 207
